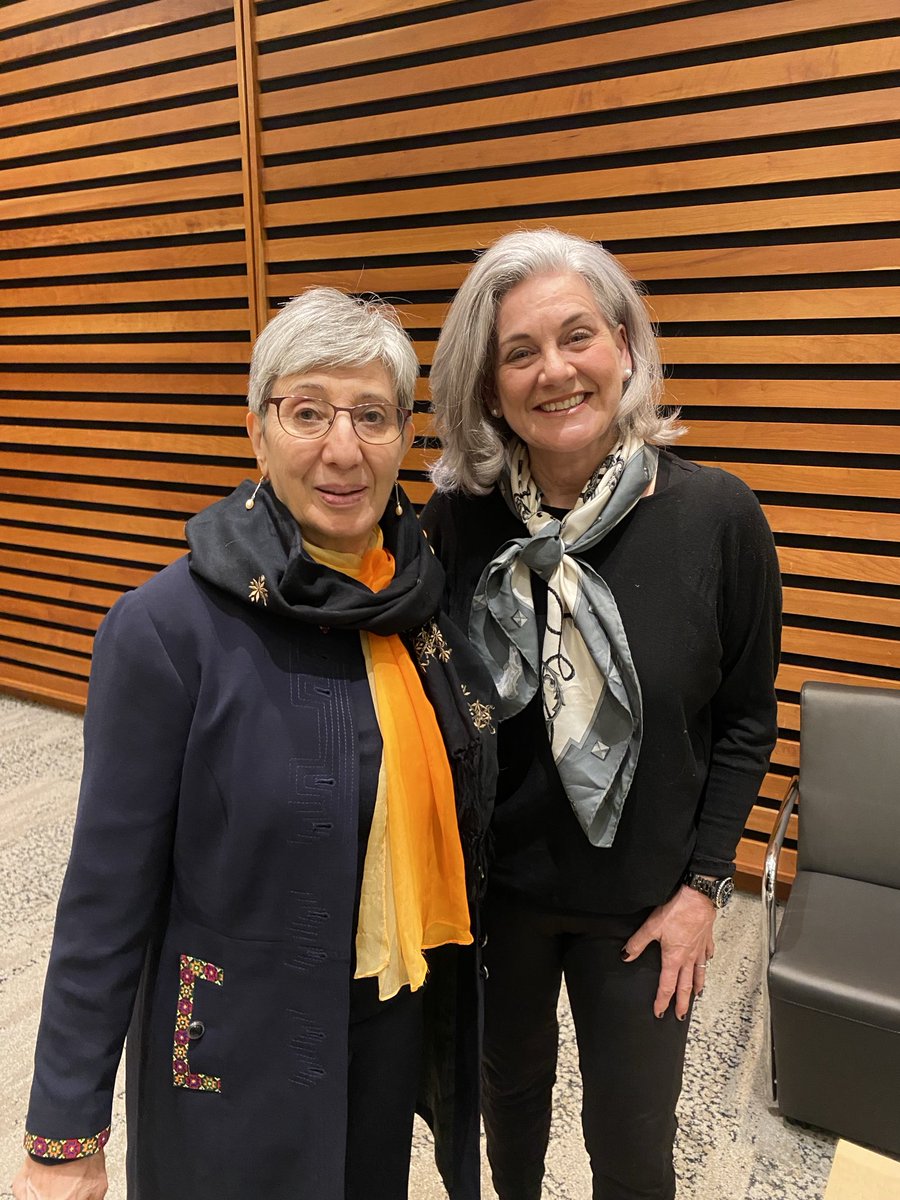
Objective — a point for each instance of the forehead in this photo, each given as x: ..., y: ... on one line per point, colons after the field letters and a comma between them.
x: 558, y: 296
x: 344, y: 383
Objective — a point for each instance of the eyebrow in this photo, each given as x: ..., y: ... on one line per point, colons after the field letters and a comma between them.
x: 574, y: 319
x: 359, y: 397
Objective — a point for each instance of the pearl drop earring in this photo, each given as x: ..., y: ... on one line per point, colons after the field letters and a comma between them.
x: 248, y: 504
x: 627, y: 373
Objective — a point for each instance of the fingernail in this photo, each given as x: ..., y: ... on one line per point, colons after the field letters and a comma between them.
x: 659, y: 1016
x: 623, y: 954
x: 681, y: 1016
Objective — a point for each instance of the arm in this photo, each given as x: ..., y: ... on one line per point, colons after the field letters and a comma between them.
x: 744, y: 730
x: 84, y: 1179
x: 135, y: 731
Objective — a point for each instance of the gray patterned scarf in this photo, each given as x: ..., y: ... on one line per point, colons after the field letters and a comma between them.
x: 590, y: 689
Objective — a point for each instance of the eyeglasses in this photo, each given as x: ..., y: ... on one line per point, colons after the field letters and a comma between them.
x: 309, y: 417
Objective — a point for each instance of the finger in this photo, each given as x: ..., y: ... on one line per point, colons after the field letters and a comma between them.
x: 636, y: 945
x: 684, y: 992
x: 700, y: 969
x: 668, y: 981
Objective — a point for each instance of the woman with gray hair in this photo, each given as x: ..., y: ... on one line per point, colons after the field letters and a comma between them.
x: 626, y: 603
x: 288, y: 774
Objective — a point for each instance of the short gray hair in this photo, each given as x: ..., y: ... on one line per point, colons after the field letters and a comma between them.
x: 474, y: 443
x: 323, y: 328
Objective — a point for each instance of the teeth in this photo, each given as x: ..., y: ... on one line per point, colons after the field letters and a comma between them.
x: 562, y: 405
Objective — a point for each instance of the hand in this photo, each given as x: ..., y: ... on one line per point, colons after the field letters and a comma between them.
x: 81, y: 1179
x: 683, y: 926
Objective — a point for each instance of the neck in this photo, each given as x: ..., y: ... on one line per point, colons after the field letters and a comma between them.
x: 561, y: 477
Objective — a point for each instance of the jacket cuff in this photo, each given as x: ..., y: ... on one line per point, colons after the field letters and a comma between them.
x: 53, y: 1150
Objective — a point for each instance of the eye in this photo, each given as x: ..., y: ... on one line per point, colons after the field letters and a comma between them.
x: 373, y: 415
x: 580, y: 335
x: 519, y: 354
x: 305, y: 410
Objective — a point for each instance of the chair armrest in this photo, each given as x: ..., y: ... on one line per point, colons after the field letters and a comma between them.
x: 770, y: 866
x: 769, y: 879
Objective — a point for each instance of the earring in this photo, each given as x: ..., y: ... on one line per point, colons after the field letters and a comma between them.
x: 248, y: 504
x: 495, y: 412
x: 627, y: 373
x: 398, y: 507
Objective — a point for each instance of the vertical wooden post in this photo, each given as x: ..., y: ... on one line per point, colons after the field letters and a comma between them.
x: 251, y: 163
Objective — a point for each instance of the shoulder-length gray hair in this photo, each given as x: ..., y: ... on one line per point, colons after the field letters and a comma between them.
x: 323, y: 328
x: 462, y: 375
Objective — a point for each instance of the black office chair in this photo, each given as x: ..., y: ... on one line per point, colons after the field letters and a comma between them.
x: 833, y: 974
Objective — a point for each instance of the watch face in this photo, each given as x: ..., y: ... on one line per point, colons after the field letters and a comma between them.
x: 724, y: 892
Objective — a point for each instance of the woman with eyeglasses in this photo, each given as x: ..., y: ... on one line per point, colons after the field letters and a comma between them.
x: 288, y: 769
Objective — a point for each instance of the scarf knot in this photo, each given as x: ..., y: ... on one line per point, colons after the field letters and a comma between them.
x: 544, y: 552
x: 583, y: 666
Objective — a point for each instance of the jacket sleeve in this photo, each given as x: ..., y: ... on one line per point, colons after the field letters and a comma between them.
x: 135, y: 731
x: 744, y: 709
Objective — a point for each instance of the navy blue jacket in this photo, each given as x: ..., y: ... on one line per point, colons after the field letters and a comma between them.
x: 213, y: 877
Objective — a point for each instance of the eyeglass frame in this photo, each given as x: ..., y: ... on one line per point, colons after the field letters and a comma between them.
x: 406, y: 413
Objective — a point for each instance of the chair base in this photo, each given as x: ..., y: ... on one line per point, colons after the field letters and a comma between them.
x: 838, y: 1074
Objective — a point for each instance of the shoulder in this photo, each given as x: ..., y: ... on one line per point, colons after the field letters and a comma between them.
x: 716, y: 493
x: 173, y: 610
x: 453, y: 519
x: 454, y: 506
x: 162, y: 598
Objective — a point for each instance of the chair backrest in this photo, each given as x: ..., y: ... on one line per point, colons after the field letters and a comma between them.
x: 849, y: 809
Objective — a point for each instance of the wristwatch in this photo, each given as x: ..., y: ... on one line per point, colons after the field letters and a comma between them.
x: 718, y: 890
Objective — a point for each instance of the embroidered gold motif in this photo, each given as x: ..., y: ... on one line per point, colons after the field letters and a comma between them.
x: 259, y: 593
x: 430, y: 644
x: 482, y: 714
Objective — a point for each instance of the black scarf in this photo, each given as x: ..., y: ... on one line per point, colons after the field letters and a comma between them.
x: 257, y: 556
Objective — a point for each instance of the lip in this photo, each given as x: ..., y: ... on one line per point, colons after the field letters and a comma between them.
x: 581, y: 397
x: 341, y: 495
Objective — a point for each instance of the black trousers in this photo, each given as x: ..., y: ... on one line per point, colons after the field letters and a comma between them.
x: 631, y: 1062
x: 382, y: 1084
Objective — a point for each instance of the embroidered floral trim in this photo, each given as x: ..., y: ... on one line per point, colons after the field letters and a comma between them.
x: 190, y: 970
x: 429, y: 644
x: 482, y: 714
x: 68, y: 1149
x: 259, y: 593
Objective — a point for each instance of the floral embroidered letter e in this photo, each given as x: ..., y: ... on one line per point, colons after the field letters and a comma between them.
x: 191, y: 969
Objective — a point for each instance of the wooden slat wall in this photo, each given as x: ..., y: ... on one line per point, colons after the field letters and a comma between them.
x: 124, y: 317
x: 742, y: 160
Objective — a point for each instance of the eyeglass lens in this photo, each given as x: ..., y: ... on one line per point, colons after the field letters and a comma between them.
x: 311, y: 417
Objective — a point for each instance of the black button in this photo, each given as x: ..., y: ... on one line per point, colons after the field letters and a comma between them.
x: 196, y: 1030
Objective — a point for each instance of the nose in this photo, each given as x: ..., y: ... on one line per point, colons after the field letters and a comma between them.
x: 555, y: 366
x: 341, y: 442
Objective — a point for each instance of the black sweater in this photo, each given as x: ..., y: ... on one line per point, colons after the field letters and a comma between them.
x: 694, y: 573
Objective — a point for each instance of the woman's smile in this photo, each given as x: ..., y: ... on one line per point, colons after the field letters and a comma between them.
x: 564, y: 405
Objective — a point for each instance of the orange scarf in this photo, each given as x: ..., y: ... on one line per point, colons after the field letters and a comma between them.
x: 414, y: 887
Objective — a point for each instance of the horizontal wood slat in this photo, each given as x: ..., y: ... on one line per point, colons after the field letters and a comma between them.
x: 804, y: 212
x: 448, y: 31
x: 618, y: 47
x: 94, y: 65
x: 605, y: 96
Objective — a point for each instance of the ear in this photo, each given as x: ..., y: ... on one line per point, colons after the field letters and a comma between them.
x: 620, y: 336
x: 257, y: 436
x: 409, y: 432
